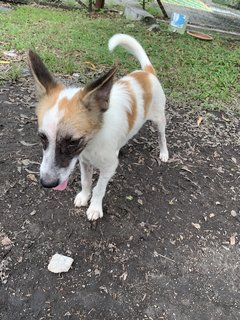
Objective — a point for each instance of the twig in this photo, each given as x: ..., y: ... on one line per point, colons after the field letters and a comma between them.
x: 166, y: 258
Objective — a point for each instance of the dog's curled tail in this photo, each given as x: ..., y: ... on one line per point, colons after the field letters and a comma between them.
x: 132, y: 46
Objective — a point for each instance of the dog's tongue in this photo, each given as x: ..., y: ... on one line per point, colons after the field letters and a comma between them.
x: 61, y: 186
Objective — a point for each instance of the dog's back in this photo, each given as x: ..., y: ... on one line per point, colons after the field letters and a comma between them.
x: 134, y: 99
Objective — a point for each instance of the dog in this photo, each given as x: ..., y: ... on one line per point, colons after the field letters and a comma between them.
x: 94, y: 122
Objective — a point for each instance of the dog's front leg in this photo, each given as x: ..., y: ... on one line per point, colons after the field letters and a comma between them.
x: 86, y: 182
x: 95, y: 209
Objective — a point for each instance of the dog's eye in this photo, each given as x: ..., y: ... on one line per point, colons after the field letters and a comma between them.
x: 44, y: 140
x: 70, y: 147
x: 74, y: 145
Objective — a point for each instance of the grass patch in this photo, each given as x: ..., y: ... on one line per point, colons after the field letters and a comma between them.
x: 203, y: 73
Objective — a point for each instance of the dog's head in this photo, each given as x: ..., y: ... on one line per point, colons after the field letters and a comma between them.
x: 67, y: 119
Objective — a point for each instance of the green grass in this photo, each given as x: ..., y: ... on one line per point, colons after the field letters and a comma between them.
x: 200, y: 73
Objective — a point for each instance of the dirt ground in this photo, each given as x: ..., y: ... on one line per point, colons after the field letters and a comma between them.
x: 167, y: 246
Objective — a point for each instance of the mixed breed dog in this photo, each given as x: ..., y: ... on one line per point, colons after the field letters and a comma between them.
x: 93, y: 123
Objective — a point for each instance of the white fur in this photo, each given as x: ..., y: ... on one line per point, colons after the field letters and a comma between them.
x: 131, y: 45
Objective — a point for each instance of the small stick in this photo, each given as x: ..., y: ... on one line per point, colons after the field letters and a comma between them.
x: 166, y: 258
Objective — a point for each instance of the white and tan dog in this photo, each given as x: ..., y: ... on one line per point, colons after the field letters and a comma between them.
x: 93, y: 123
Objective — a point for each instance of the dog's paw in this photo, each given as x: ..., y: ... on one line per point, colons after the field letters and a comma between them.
x: 81, y: 200
x: 94, y: 213
x: 164, y: 156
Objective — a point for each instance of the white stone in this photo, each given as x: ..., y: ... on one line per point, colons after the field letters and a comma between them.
x: 136, y: 13
x: 60, y: 263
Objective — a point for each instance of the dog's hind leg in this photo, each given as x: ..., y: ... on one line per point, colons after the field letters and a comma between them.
x: 95, y: 209
x: 86, y: 182
x: 157, y: 116
x: 161, y: 125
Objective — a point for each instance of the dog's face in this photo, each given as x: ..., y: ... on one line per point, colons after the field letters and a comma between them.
x: 67, y: 119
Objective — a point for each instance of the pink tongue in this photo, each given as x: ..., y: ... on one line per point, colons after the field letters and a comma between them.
x: 61, y: 186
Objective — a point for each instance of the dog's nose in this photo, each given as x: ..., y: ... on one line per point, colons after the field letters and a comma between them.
x: 49, y: 184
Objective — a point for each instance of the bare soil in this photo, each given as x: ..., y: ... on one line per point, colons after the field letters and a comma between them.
x: 167, y: 246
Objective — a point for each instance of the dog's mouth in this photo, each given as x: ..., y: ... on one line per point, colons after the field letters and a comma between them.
x: 61, y: 186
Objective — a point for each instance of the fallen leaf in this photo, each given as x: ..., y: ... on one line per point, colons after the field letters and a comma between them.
x: 91, y: 64
x: 97, y: 272
x: 26, y: 162
x: 32, y: 177
x: 185, y: 168
x: 30, y: 171
x: 102, y: 288
x: 124, y: 276
x: 199, y: 120
x: 225, y: 119
x: 6, y: 242
x: 233, y: 239
x: 27, y: 144
x: 171, y: 202
x: 129, y: 198
x: 196, y: 225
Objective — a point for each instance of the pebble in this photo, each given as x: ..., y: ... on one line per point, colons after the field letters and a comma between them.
x: 60, y: 263
x: 233, y: 213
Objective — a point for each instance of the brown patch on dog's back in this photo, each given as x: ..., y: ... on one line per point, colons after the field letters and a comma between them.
x: 142, y: 78
x: 133, y: 114
x: 48, y: 101
x: 150, y: 69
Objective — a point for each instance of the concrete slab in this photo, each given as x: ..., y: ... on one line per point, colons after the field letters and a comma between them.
x: 137, y: 13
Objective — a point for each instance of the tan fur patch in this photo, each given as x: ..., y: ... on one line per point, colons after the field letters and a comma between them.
x: 149, y: 69
x: 133, y: 114
x: 142, y: 78
x: 77, y: 119
x: 47, y: 102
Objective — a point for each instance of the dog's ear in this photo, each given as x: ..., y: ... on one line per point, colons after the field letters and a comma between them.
x: 96, y: 94
x: 43, y: 78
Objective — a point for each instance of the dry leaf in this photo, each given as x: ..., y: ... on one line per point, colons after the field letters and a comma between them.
x: 233, y: 239
x: 32, y: 177
x: 196, y: 225
x: 124, y: 276
x: 185, y: 168
x: 103, y: 288
x: 26, y: 162
x: 97, y: 272
x: 199, y: 120
x: 6, y: 242
x: 27, y: 144
x: 225, y: 119
x: 91, y: 64
x: 30, y: 171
